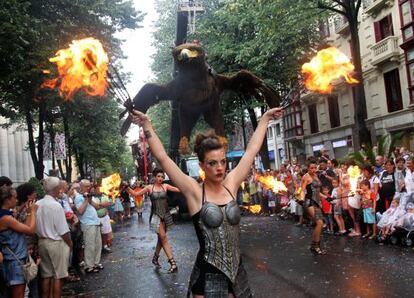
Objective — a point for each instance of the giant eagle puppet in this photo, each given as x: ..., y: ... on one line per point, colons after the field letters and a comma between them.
x: 197, y: 89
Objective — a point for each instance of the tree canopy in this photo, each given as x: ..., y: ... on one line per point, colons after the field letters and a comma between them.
x: 30, y: 33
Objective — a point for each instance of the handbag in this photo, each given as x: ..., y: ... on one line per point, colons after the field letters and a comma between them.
x: 29, y: 268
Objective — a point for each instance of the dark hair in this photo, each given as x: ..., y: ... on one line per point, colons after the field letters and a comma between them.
x: 156, y: 171
x: 5, y: 181
x: 366, y: 183
x: 369, y: 169
x: 310, y: 160
x: 23, y: 191
x: 334, y: 162
x: 400, y: 159
x: 6, y: 191
x: 207, y: 142
x: 390, y: 161
x: 322, y: 159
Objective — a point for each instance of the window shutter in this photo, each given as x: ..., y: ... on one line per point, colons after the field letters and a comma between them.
x: 377, y: 31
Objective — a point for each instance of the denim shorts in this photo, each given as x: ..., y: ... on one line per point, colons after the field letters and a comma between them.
x: 12, y: 272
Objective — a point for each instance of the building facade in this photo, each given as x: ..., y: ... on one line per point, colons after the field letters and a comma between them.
x: 275, y: 143
x: 386, y: 34
x: 15, y: 160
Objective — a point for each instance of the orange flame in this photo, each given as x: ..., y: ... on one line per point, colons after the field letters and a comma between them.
x: 110, y: 186
x: 329, y: 65
x: 353, y: 172
x: 83, y: 65
x: 271, y: 183
x: 201, y: 174
x: 255, y: 209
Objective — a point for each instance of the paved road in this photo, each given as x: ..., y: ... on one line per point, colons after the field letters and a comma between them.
x: 276, y: 257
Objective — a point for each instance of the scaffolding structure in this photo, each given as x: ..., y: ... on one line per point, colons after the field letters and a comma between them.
x: 191, y: 8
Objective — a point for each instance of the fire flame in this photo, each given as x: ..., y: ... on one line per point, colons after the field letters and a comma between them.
x: 255, y: 209
x: 201, y: 174
x: 110, y: 186
x: 83, y: 65
x: 354, y: 172
x: 272, y: 183
x: 328, y: 65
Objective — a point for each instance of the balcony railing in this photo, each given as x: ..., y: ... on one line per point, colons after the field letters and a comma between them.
x: 341, y: 25
x: 374, y: 6
x: 384, y: 50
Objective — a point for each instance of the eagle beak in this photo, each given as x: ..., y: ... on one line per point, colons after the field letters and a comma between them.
x: 187, y: 54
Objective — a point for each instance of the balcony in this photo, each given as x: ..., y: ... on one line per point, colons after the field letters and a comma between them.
x: 372, y: 7
x: 341, y: 25
x: 385, y: 50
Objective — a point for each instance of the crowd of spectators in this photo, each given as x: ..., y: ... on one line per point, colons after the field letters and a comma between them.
x: 64, y: 232
x: 381, y: 202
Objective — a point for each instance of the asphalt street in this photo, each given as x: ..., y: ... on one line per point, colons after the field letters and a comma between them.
x: 275, y: 253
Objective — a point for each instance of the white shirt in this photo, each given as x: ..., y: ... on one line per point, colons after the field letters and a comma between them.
x: 50, y: 219
x: 409, y: 181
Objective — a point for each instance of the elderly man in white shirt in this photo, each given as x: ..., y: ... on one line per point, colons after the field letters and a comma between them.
x: 54, y: 239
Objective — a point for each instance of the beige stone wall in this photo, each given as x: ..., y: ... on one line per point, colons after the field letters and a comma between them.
x: 380, y: 121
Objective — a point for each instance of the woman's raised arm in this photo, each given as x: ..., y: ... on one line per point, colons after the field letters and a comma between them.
x: 186, y: 184
x: 237, y: 176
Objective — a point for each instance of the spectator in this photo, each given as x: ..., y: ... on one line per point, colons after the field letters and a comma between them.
x: 90, y: 226
x: 106, y: 230
x: 325, y: 174
x: 388, y: 186
x: 126, y: 200
x: 13, y: 241
x: 26, y: 196
x: 379, y: 164
x: 54, y: 240
x: 368, y: 202
x: 409, y: 176
x: 5, y: 181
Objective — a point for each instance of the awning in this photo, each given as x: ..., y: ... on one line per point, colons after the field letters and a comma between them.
x: 232, y: 154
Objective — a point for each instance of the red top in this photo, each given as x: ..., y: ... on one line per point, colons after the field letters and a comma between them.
x: 368, y: 202
x: 326, y: 206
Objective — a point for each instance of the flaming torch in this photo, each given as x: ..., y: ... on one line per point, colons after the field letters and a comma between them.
x: 271, y: 183
x: 84, y: 65
x: 354, y: 173
x: 327, y: 66
x: 110, y: 186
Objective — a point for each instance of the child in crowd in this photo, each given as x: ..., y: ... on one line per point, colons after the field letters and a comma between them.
x: 389, y: 218
x: 337, y: 207
x: 368, y: 204
x: 327, y: 208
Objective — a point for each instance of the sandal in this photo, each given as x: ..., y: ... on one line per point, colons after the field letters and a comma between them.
x: 373, y: 236
x: 316, y: 248
x: 367, y: 235
x: 155, y: 261
x: 99, y: 266
x: 173, y: 267
x: 73, y: 278
x: 91, y: 270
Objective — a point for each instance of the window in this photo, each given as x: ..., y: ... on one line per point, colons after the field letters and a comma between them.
x: 313, y: 118
x: 407, y: 17
x: 393, y: 90
x: 324, y: 28
x: 334, y: 111
x: 278, y: 129
x: 270, y: 132
x: 383, y: 28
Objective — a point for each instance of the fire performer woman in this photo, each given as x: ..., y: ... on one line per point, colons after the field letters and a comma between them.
x: 310, y: 192
x: 160, y: 217
x: 218, y: 270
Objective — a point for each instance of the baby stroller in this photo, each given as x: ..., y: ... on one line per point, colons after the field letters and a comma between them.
x: 399, y: 222
x: 404, y: 228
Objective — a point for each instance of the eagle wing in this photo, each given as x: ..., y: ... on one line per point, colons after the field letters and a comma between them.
x: 149, y: 95
x: 246, y: 83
